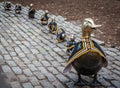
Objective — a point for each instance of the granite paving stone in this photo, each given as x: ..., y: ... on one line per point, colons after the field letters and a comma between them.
x: 13, y: 54
x: 111, y: 53
x: 17, y: 49
x: 16, y: 59
x: 6, y: 68
x: 53, y: 54
x: 39, y: 75
x: 27, y: 85
x: 60, y: 68
x: 59, y: 59
x: 36, y: 63
x: 22, y: 78
x: 27, y: 72
x: 34, y: 51
x: 118, y: 53
x: 62, y: 78
x: 21, y: 54
x: 38, y: 87
x: 116, y: 72
x: 15, y: 84
x: 26, y: 51
x: 116, y: 77
x: 11, y: 76
x: 11, y: 63
x: 116, y: 63
x: 4, y: 42
x: 17, y: 70
x: 117, y: 58
x: 55, y: 63
x: 7, y: 57
x: 34, y: 80
x: 58, y: 84
x: 53, y: 70
x: 51, y: 77
x: 116, y: 84
x: 113, y: 49
x: 3, y: 51
x: 48, y: 57
x: 1, y: 57
x: 9, y: 49
x: 46, y: 84
x: 72, y: 76
x: 31, y: 57
x: 32, y: 67
x: 26, y: 60
x: 40, y: 57
x: 43, y: 70
x: 104, y: 82
x: 45, y: 63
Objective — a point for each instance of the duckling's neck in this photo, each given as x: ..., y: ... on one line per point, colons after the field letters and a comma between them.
x: 31, y: 8
x: 46, y: 14
x: 86, y: 34
x: 86, y: 39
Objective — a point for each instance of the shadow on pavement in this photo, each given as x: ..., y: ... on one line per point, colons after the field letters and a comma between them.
x: 3, y: 83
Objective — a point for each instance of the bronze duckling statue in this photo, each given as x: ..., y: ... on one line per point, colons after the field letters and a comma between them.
x: 87, y: 58
x: 18, y: 8
x: 44, y: 18
x: 31, y: 12
x: 61, y: 35
x: 7, y: 6
x: 70, y: 44
x: 52, y: 26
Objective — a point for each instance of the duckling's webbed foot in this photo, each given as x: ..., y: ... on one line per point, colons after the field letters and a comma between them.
x: 81, y: 82
x: 95, y: 81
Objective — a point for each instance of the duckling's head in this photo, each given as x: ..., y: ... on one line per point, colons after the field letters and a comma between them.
x: 72, y: 38
x: 46, y: 11
x: 8, y: 2
x: 88, y: 26
x: 18, y: 4
x: 63, y: 35
x: 31, y: 5
x: 53, y: 19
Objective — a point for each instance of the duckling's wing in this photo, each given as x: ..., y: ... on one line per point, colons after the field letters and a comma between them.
x: 104, y: 59
x: 98, y: 47
x: 68, y: 68
x: 77, y: 48
x: 61, y: 31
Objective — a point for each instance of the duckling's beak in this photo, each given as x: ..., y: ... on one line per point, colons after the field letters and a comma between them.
x: 93, y: 28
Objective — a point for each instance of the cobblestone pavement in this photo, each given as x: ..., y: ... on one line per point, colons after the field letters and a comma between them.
x: 31, y: 58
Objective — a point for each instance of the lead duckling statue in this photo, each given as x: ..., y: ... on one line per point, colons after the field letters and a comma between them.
x: 18, y: 8
x: 87, y: 57
x: 31, y: 12
x: 61, y: 35
x: 52, y: 26
x: 44, y: 18
x: 7, y: 5
x: 70, y: 44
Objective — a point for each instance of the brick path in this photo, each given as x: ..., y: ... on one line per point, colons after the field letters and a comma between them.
x: 31, y: 58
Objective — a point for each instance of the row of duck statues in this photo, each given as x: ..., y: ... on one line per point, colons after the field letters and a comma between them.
x: 61, y: 34
x: 86, y: 56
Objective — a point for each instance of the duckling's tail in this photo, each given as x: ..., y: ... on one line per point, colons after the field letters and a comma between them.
x: 68, y: 68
